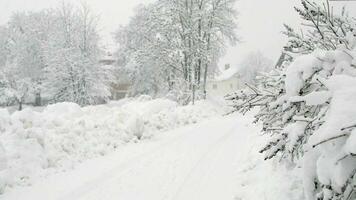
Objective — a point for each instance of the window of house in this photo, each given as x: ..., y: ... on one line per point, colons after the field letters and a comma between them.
x: 215, y: 86
x: 231, y: 86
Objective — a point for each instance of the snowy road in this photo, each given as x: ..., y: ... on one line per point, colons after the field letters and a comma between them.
x: 191, y: 163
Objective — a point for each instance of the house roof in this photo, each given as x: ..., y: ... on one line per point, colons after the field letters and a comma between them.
x: 227, y: 74
x: 108, y: 59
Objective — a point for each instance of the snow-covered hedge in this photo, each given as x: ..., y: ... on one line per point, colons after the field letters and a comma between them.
x: 309, y: 110
x: 308, y: 103
x: 64, y: 134
x: 321, y: 101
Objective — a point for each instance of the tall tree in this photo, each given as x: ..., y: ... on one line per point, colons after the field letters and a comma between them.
x: 53, y: 52
x: 73, y: 71
x: 179, y: 41
x: 23, y: 59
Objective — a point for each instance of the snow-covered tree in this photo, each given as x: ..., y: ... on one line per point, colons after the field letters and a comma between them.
x: 16, y: 85
x: 55, y: 52
x: 177, y: 41
x: 22, y: 55
x: 252, y: 65
x: 306, y: 107
x: 141, y: 52
x: 72, y: 55
x: 3, y: 45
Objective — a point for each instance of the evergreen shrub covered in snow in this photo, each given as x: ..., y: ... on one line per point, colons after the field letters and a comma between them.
x: 308, y: 106
x: 34, y: 143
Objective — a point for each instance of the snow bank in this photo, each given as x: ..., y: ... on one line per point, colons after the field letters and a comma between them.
x: 267, y: 180
x: 260, y: 179
x: 35, y: 143
x: 4, y: 120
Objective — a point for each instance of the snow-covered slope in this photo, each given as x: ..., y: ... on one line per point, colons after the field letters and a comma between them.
x: 34, y: 144
x: 215, y: 159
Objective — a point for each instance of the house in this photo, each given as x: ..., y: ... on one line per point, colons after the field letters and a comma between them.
x: 227, y: 82
x: 119, y: 90
x: 120, y: 86
x: 108, y: 59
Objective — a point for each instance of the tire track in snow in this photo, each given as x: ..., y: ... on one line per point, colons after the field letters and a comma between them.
x: 212, y: 148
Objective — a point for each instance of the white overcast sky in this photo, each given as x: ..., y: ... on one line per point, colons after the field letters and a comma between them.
x: 260, y: 21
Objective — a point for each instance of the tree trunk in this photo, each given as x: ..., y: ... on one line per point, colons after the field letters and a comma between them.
x: 205, y: 80
x: 20, y: 105
x: 193, y: 94
x: 38, y: 99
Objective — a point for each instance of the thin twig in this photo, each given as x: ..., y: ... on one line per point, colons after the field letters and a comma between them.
x: 329, y: 139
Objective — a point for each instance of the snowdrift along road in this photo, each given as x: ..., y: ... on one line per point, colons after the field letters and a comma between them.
x: 34, y: 144
x: 215, y: 159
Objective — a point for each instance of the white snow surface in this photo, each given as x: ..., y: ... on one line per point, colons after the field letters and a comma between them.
x: 342, y: 108
x: 313, y: 99
x: 300, y: 70
x: 38, y: 144
x: 210, y: 160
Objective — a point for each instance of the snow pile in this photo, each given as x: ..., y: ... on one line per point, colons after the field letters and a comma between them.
x: 4, y: 120
x: 180, y: 116
x: 259, y: 179
x: 35, y: 143
x: 268, y: 180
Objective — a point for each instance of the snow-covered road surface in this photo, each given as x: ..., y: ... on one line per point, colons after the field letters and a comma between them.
x: 196, y: 162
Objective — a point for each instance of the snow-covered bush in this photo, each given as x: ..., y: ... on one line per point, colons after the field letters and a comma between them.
x: 64, y: 134
x: 313, y: 114
x: 307, y: 107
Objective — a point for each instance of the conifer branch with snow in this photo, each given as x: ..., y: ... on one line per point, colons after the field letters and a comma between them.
x: 307, y: 106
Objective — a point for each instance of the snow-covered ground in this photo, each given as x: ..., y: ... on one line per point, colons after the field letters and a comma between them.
x: 211, y: 159
x: 35, y: 144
